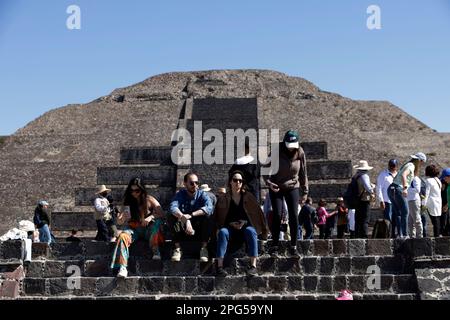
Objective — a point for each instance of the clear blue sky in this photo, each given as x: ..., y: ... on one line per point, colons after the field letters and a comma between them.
x: 43, y: 65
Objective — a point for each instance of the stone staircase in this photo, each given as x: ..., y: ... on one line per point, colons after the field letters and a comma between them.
x: 81, y: 271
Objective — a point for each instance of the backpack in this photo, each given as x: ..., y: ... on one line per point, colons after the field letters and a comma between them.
x: 351, y: 195
x: 381, y: 229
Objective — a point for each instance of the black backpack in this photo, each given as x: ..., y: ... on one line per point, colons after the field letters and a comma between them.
x: 381, y: 229
x: 351, y: 195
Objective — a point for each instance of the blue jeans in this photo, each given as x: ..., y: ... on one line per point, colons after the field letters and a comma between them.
x: 388, y: 211
x: 400, y: 209
x: 44, y: 234
x: 251, y: 238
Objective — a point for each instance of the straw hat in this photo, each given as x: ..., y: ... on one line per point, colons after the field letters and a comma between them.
x: 102, y: 189
x: 205, y: 187
x: 363, y: 165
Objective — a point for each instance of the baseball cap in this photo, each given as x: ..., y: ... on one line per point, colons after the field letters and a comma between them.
x: 43, y: 203
x: 420, y: 156
x: 291, y: 139
x: 445, y: 173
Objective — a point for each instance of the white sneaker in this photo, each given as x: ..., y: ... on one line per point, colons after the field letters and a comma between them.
x: 204, y: 257
x: 123, y: 272
x: 156, y: 255
x: 176, y: 255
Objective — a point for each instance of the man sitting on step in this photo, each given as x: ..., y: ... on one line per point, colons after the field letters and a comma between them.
x: 189, y: 216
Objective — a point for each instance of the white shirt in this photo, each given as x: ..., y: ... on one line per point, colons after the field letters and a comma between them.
x: 433, y: 200
x: 414, y: 190
x: 102, y: 210
x: 384, y: 180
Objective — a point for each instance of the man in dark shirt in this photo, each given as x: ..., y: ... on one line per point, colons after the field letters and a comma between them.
x: 306, y: 218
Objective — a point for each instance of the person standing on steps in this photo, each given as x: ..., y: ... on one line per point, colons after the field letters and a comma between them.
x: 238, y: 217
x: 106, y: 229
x: 433, y: 200
x: 384, y: 180
x: 144, y: 218
x: 250, y: 168
x: 42, y: 221
x: 189, y: 217
x: 286, y: 184
x: 366, y: 194
x: 398, y: 192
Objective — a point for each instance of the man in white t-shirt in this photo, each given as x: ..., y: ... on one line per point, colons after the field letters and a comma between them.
x: 384, y: 180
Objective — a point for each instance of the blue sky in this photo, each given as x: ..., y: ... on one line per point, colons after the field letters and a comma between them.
x: 43, y: 65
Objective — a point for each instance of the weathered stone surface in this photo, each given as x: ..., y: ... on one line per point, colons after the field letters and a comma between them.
x: 356, y: 283
x: 12, y: 249
x: 325, y: 284
x: 205, y: 285
x: 39, y: 249
x: 18, y: 274
x: 295, y: 283
x: 35, y: 269
x: 162, y: 175
x: 9, y: 289
x: 379, y: 247
x: 289, y: 265
x: 360, y: 265
x: 356, y: 247
x: 117, y: 286
x: 151, y: 267
x: 343, y: 265
x: 340, y: 283
x: 309, y: 264
x: 230, y: 284
x: 69, y: 250
x: 305, y: 247
x: 390, y: 264
x: 442, y: 246
x: 257, y: 284
x: 339, y: 247
x: 310, y: 283
x: 151, y: 285
x: 266, y: 265
x: 326, y: 265
x: 320, y: 170
x: 97, y: 268
x: 278, y: 284
x: 34, y: 286
x: 321, y: 247
x: 404, y: 284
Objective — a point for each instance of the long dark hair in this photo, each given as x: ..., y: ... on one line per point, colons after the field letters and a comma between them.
x: 136, y: 205
x: 230, y: 178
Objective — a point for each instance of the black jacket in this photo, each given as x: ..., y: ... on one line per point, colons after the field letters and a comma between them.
x: 41, y: 217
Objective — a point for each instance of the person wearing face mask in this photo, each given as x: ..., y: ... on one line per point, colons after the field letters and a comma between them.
x: 286, y: 184
x: 189, y: 215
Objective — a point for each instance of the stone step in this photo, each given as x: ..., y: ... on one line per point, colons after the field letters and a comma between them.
x: 235, y: 297
x: 163, y: 175
x: 266, y: 265
x: 214, y: 109
x: 162, y: 155
x: 230, y: 285
x: 86, y: 196
x: 409, y: 248
x: 150, y: 155
x: 328, y: 169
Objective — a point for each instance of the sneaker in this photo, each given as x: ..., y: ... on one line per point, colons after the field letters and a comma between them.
x: 176, y: 255
x: 156, y: 255
x: 123, y: 272
x: 252, y: 271
x: 293, y: 252
x: 273, y: 251
x: 220, y: 272
x: 204, y: 256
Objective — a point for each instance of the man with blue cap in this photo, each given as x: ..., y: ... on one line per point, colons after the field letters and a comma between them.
x: 445, y: 195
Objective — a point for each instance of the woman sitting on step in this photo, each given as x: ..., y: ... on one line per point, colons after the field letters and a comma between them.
x: 238, y: 217
x: 144, y: 215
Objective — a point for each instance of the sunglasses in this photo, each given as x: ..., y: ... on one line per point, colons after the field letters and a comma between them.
x: 237, y: 180
x: 194, y: 183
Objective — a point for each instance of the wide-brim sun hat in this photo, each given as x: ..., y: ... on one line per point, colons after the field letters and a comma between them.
x: 419, y: 156
x: 363, y: 165
x: 102, y: 189
x: 205, y: 187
